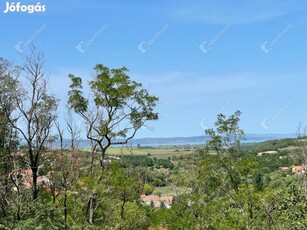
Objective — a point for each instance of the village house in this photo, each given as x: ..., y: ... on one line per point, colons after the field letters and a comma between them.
x: 157, y: 201
x: 284, y: 169
x: 299, y: 169
x: 25, y: 180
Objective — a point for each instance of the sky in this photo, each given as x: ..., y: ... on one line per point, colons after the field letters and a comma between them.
x: 200, y: 58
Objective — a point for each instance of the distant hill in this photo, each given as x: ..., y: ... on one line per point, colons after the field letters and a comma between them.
x: 195, y: 140
x: 204, y: 139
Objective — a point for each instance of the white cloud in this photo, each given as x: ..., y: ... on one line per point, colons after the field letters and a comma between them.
x: 187, y: 90
x: 234, y: 12
x: 186, y: 98
x: 198, y: 83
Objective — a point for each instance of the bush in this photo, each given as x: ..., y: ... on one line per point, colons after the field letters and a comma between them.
x: 148, y: 189
x: 165, y: 163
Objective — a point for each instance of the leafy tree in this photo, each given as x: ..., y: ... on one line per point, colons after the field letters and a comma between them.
x: 8, y: 136
x: 46, y: 215
x: 178, y: 217
x: 165, y: 163
x: 148, y: 189
x: 123, y: 187
x: 118, y: 109
x: 225, y: 194
x: 133, y: 160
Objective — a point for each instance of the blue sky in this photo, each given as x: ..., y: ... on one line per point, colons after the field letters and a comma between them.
x: 199, y: 57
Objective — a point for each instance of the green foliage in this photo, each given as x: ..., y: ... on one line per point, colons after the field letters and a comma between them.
x: 178, y: 217
x: 128, y: 161
x: 223, y: 186
x: 76, y: 100
x: 148, y: 189
x: 225, y: 193
x: 115, y: 93
x: 122, y: 184
x: 272, y: 145
x: 135, y: 218
x: 43, y: 216
x: 165, y: 163
x: 119, y: 107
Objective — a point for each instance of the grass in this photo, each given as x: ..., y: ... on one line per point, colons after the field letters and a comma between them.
x: 158, y: 152
x: 290, y: 148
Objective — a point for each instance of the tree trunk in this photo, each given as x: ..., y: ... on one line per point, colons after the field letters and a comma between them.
x: 18, y: 204
x: 122, y: 212
x: 72, y: 146
x: 34, y: 183
x: 91, y: 216
x: 92, y: 204
x: 53, y: 198
x: 65, y: 206
x: 92, y: 161
x: 103, y: 155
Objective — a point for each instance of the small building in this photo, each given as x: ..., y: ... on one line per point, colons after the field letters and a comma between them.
x: 26, y: 179
x: 284, y: 169
x: 157, y: 201
x: 299, y: 169
x: 267, y: 152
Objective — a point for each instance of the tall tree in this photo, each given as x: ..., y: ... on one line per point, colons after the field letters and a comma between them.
x: 226, y: 188
x: 74, y: 130
x: 118, y: 109
x: 8, y: 91
x: 68, y: 167
x: 8, y: 136
x: 35, y: 111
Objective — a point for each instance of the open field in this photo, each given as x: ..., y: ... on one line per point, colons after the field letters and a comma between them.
x: 290, y: 148
x: 158, y: 152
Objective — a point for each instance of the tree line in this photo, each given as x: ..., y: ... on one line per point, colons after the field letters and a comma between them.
x: 113, y: 113
x: 225, y: 186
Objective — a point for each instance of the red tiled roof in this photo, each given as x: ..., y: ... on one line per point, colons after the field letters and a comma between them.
x: 156, y: 198
x: 298, y: 167
x: 26, y: 171
x: 151, y: 198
